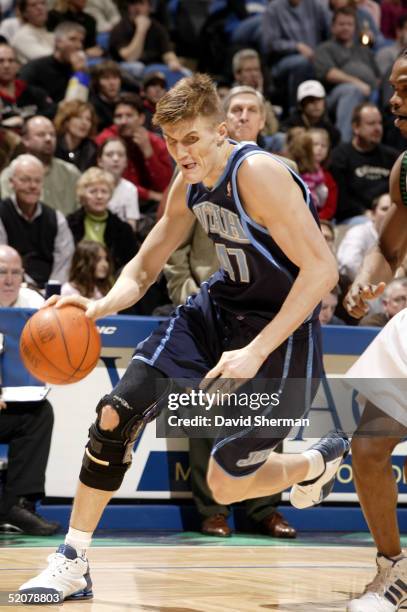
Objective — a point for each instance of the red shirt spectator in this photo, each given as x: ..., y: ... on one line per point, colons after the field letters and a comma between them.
x: 329, y: 209
x: 149, y: 164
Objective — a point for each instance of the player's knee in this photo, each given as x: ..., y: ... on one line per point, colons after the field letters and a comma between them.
x: 108, y: 418
x: 223, y: 489
x: 220, y: 493
x: 108, y: 453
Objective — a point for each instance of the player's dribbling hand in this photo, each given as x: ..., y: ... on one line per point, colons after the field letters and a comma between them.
x: 356, y: 300
x: 94, y: 309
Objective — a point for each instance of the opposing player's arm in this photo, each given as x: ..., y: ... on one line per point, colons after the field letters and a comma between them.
x: 141, y: 271
x: 272, y: 198
x: 382, y: 261
x: 393, y: 236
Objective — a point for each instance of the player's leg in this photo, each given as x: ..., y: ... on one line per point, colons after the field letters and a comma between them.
x: 121, y: 416
x: 372, y: 446
x: 380, y: 375
x: 277, y: 472
x: 244, y: 466
x: 275, y: 475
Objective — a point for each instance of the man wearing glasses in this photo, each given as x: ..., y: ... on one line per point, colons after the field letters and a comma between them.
x: 39, y: 233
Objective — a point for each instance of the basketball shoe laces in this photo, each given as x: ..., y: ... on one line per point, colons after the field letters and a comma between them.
x: 64, y: 570
x: 378, y: 584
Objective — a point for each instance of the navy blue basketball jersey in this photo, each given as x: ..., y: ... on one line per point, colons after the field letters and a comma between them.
x: 255, y: 275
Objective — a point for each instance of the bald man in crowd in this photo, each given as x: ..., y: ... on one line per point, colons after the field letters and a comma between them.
x: 25, y: 426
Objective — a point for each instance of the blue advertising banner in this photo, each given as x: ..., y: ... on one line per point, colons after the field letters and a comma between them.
x: 160, y: 468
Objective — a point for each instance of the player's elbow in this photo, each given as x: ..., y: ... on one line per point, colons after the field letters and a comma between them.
x: 334, y: 276
x: 393, y: 252
x: 328, y: 274
x: 394, y: 260
x: 145, y: 278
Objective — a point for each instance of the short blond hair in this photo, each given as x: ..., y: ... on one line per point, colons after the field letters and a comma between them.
x: 90, y: 177
x: 191, y: 97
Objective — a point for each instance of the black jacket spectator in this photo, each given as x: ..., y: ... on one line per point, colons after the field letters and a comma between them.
x: 119, y: 237
x: 157, y: 41
x: 104, y: 110
x: 48, y: 73
x: 361, y: 177
x: 83, y: 157
x: 85, y: 20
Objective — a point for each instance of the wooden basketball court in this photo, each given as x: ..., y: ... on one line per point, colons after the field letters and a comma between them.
x: 209, y: 578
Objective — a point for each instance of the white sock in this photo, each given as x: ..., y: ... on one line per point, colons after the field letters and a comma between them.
x: 316, y: 464
x: 79, y: 540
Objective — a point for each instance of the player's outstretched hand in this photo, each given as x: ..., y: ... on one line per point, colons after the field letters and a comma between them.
x: 356, y: 300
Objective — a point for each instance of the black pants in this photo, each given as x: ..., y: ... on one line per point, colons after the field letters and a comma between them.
x: 256, y: 509
x: 26, y: 427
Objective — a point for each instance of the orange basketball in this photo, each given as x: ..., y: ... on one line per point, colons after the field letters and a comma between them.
x: 60, y: 345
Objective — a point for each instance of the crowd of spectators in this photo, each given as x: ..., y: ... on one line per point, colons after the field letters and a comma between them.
x: 84, y: 173
x: 80, y: 79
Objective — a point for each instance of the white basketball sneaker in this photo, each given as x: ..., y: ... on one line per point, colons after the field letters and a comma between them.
x: 388, y: 590
x: 334, y: 448
x: 67, y: 574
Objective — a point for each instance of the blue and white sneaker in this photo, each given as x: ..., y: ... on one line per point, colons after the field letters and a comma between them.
x: 334, y: 447
x: 67, y: 575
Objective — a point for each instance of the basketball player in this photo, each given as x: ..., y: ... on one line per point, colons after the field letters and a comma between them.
x: 385, y: 413
x: 258, y: 315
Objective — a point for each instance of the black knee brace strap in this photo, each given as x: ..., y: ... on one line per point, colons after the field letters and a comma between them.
x: 106, y: 461
x: 108, y: 453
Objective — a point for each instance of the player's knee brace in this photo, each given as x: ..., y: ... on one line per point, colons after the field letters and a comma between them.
x: 108, y: 453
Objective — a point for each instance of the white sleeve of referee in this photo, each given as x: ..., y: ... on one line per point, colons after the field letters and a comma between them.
x: 357, y: 241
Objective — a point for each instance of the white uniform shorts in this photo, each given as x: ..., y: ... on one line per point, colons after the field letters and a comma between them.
x: 380, y: 373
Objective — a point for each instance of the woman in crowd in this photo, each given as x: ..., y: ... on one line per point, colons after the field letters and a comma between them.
x: 91, y: 271
x: 75, y: 124
x: 93, y: 221
x: 112, y: 157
